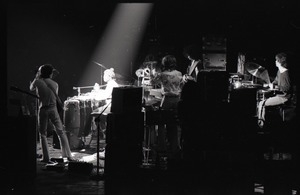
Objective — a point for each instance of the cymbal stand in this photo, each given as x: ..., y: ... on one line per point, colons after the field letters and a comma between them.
x: 97, y: 119
x: 148, y: 130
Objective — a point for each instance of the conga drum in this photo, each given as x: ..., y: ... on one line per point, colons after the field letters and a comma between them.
x: 85, y: 120
x: 72, y: 122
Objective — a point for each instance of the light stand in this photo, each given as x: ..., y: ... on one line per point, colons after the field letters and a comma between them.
x: 97, y: 119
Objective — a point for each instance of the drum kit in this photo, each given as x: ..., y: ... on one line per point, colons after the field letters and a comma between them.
x: 262, y: 73
x: 260, y: 78
x: 259, y: 74
x: 258, y: 71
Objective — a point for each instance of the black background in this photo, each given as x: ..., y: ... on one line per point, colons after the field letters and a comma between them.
x: 65, y: 33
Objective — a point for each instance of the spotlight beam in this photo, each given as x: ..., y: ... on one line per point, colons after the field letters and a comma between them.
x: 118, y: 46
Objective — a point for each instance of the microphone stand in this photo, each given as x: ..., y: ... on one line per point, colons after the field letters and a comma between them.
x: 97, y: 119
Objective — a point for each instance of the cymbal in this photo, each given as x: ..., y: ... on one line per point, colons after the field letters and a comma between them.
x: 258, y: 71
x: 253, y: 67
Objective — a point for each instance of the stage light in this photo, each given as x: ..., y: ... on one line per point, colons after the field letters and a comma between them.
x: 118, y: 46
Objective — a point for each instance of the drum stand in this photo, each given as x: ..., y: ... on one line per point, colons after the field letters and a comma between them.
x: 97, y: 119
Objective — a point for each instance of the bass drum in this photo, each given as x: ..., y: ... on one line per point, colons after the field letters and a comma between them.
x: 72, y: 123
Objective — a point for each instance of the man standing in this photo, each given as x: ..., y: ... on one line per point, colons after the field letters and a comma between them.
x: 47, y: 91
x: 194, y: 55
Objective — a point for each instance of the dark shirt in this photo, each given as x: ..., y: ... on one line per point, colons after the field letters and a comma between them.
x: 283, y: 81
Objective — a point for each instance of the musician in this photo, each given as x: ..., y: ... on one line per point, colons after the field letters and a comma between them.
x: 192, y: 52
x: 105, y: 94
x: 110, y: 78
x: 282, y: 83
x: 170, y: 80
x: 47, y: 110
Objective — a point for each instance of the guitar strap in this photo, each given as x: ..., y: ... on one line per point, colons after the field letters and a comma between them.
x: 52, y: 89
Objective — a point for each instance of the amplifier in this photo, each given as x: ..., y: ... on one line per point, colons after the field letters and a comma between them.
x: 127, y: 99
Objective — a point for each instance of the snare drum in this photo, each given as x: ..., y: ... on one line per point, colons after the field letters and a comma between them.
x: 264, y: 94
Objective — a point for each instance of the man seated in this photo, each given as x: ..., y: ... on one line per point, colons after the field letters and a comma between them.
x: 282, y: 83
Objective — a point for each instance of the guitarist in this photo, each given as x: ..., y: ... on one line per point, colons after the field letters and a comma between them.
x: 194, y: 55
x: 47, y: 90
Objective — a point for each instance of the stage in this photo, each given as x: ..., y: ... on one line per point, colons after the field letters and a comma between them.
x: 220, y: 170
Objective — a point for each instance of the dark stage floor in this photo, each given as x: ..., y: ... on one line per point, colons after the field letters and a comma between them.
x: 215, y: 171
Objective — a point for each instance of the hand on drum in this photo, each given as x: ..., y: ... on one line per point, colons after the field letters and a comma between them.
x: 96, y: 87
x: 271, y: 86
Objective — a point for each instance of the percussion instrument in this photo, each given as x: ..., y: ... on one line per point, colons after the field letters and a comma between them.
x: 250, y: 84
x: 78, y: 110
x: 93, y: 99
x: 72, y: 116
x: 72, y: 122
x: 235, y: 81
x: 258, y: 71
x: 263, y: 94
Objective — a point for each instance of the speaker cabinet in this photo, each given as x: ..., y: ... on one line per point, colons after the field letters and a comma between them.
x: 122, y: 160
x: 19, y: 154
x: 127, y: 99
x: 124, y: 137
x: 213, y: 85
x: 214, y: 61
x: 214, y: 43
x: 127, y: 128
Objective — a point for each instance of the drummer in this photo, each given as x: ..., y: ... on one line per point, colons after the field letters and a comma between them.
x: 284, y: 85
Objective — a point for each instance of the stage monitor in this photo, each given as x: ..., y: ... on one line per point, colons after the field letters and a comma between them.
x: 214, y: 61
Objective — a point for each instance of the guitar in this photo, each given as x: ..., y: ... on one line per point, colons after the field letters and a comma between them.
x: 190, y: 71
x: 59, y: 105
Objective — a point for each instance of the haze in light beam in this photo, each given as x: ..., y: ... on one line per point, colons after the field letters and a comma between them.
x: 119, y: 44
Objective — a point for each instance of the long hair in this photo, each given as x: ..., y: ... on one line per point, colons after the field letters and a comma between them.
x: 169, y: 62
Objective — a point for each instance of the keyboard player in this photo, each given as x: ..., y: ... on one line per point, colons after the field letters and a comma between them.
x: 109, y: 78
